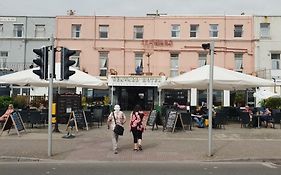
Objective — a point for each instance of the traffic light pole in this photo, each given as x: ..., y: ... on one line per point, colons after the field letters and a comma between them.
x: 50, y: 97
x: 210, y: 107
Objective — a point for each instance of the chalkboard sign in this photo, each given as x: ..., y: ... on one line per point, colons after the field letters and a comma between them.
x: 79, y: 119
x: 172, y: 120
x: 16, y: 120
x: 152, y: 118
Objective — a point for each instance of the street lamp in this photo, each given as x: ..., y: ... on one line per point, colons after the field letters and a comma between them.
x: 148, y: 61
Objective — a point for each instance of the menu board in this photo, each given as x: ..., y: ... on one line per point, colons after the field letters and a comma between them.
x: 152, y: 118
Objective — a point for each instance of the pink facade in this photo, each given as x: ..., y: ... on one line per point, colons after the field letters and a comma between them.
x: 157, y: 40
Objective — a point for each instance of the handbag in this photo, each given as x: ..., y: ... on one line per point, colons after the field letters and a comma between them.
x: 118, y: 129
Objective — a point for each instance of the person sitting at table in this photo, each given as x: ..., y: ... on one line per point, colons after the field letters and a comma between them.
x: 247, y: 109
x: 198, y: 116
x: 266, y: 117
x: 8, y: 112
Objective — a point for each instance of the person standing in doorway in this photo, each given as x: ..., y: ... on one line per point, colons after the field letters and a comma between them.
x: 137, y: 126
x: 120, y: 119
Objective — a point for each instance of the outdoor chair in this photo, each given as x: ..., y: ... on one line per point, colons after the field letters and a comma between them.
x: 219, y: 120
x: 187, y: 119
x: 276, y: 119
x: 35, y: 118
x: 97, y: 116
x: 24, y: 116
x: 244, y: 119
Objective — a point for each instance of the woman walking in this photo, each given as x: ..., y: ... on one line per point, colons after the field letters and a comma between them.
x: 137, y: 126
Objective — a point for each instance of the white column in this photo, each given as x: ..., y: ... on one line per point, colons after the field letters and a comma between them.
x: 226, y: 98
x: 193, y: 97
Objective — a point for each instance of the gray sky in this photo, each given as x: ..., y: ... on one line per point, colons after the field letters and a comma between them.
x: 139, y: 7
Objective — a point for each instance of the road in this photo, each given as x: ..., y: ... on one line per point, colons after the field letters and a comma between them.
x: 137, y: 168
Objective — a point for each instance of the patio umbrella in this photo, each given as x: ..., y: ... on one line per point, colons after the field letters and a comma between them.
x: 264, y: 94
x: 223, y: 79
x: 79, y: 79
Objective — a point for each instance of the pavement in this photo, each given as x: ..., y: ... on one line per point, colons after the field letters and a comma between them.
x: 230, y: 144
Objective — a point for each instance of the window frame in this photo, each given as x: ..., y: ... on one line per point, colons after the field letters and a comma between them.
x: 138, y: 31
x: 201, y: 59
x: 275, y: 60
x: 174, y: 70
x: 175, y: 30
x: 103, y: 34
x: 38, y: 32
x: 238, y: 60
x: 238, y: 32
x: 17, y: 32
x: 103, y: 67
x: 76, y: 30
x: 213, y: 31
x: 265, y: 31
x: 193, y: 31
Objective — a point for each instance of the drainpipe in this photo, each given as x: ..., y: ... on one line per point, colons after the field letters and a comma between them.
x: 25, y: 42
x: 124, y: 52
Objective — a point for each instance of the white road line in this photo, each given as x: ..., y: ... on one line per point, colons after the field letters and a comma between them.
x: 269, y: 165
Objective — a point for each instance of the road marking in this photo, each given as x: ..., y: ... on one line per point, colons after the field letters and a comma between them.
x: 269, y: 165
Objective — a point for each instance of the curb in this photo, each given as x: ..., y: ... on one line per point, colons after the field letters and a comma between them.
x: 20, y: 159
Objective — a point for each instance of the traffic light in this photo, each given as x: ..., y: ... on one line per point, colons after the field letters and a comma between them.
x: 206, y: 46
x: 42, y: 62
x: 66, y: 63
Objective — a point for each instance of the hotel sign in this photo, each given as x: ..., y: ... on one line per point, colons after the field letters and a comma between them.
x: 156, y: 42
x: 8, y: 19
x: 124, y: 80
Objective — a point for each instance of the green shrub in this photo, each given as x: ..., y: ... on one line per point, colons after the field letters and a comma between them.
x: 5, y: 101
x: 273, y: 103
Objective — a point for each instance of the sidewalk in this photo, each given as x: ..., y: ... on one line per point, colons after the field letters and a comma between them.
x: 233, y: 143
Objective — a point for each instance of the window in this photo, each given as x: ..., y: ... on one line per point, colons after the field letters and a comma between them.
x: 75, y: 58
x: 175, y: 32
x: 275, y: 60
x: 18, y: 30
x: 103, y: 29
x: 139, y: 62
x: 174, y: 67
x: 103, y: 63
x: 194, y: 30
x: 202, y: 60
x: 76, y: 28
x: 238, y: 29
x: 3, y: 59
x: 39, y: 30
x: 1, y: 29
x: 214, y: 31
x: 264, y: 30
x: 238, y: 57
x: 138, y: 32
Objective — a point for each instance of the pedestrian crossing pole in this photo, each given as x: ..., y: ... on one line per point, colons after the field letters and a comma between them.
x: 210, y: 112
x: 50, y: 96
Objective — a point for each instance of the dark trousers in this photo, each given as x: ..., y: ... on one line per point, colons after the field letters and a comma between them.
x: 137, y: 134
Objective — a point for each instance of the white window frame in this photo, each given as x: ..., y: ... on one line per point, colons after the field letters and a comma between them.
x: 40, y: 30
x: 214, y: 31
x: 103, y: 58
x: 175, y: 31
x: 103, y: 31
x: 202, y: 59
x: 1, y: 29
x: 174, y: 64
x: 238, y: 31
x: 138, y: 32
x: 194, y: 28
x: 18, y: 30
x: 238, y: 59
x: 138, y: 59
x: 3, y: 59
x: 75, y: 30
x: 275, y: 61
x: 264, y: 30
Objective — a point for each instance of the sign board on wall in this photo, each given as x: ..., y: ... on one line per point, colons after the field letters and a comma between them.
x: 124, y: 80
